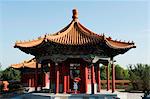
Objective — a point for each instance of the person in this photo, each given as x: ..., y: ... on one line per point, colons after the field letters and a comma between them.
x: 75, y: 87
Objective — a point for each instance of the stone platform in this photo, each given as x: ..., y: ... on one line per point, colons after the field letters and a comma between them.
x: 66, y: 96
x: 102, y: 95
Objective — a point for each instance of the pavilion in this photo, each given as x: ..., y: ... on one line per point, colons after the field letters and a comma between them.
x: 73, y: 54
x: 27, y: 73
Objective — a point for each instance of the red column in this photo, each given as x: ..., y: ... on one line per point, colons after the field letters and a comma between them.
x: 68, y: 78
x: 108, y: 82
x: 86, y: 78
x: 41, y: 76
x: 30, y: 80
x: 57, y: 80
x: 65, y: 84
x: 68, y: 83
x: 82, y: 76
x: 113, y: 77
x: 92, y: 79
x: 36, y: 77
x: 49, y: 65
x: 98, y: 79
x: 65, y: 77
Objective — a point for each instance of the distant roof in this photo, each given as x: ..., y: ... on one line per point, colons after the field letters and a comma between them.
x: 25, y: 64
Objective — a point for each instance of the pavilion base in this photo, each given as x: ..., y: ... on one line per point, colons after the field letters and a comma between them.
x: 31, y: 89
x: 89, y: 89
x: 69, y: 96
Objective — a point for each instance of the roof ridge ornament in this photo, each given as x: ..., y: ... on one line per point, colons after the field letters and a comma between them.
x: 45, y: 37
x: 75, y: 14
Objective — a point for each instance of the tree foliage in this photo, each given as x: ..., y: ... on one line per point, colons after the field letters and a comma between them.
x: 10, y: 74
x: 103, y: 72
x: 121, y: 73
x: 139, y: 76
x: 0, y: 71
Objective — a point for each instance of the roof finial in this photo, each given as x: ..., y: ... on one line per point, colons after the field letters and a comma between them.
x: 75, y: 14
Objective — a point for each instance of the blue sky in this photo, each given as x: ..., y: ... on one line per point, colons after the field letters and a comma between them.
x: 122, y: 20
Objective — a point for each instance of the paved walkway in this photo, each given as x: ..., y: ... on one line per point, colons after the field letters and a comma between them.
x: 126, y: 95
x: 121, y: 95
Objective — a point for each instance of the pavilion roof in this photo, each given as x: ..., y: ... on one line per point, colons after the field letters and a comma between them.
x: 119, y: 44
x: 75, y: 34
x: 74, y: 39
x: 25, y: 64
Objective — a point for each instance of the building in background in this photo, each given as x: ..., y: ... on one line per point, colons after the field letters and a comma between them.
x: 27, y: 69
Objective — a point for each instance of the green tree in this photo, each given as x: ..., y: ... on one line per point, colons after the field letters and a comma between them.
x: 121, y: 73
x: 0, y: 71
x: 103, y: 72
x: 139, y: 76
x: 146, y: 78
x: 11, y: 74
x: 126, y: 74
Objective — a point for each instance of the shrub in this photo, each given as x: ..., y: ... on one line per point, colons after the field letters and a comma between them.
x: 139, y: 76
x: 14, y: 86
